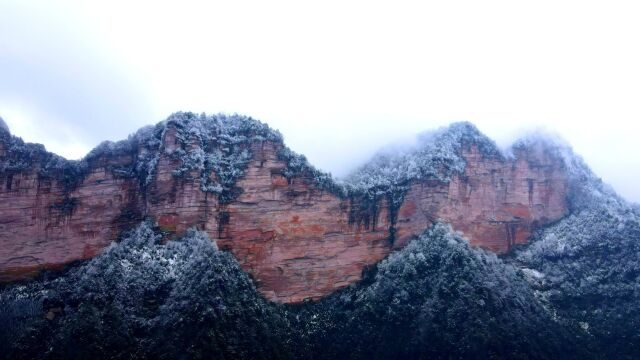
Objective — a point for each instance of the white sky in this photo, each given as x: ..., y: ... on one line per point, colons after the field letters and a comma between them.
x: 339, y: 79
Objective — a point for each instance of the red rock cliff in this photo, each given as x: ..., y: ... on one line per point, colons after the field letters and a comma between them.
x: 296, y: 240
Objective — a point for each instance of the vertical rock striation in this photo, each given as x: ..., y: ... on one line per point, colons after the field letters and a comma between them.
x: 298, y: 239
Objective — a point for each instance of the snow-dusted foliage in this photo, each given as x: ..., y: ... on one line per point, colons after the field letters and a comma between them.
x: 143, y: 299
x: 217, y: 148
x: 21, y: 156
x: 572, y: 293
x: 436, y: 156
x: 17, y: 312
x: 584, y: 185
x: 436, y: 298
x: 298, y: 166
x: 214, y: 148
x: 141, y: 147
x: 589, y: 264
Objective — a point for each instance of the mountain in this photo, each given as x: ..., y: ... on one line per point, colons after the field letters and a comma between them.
x: 297, y: 231
x: 449, y: 249
x: 3, y: 125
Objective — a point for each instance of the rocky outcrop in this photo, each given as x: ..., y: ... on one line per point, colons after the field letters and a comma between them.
x: 298, y: 240
x: 495, y: 203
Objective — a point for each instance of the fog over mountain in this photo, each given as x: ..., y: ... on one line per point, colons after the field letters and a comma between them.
x: 227, y: 244
x: 319, y: 180
x: 350, y: 76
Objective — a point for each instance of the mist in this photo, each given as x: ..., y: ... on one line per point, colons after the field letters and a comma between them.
x: 340, y: 81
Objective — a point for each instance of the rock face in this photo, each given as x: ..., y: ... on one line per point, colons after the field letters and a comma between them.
x: 297, y: 240
x: 496, y: 204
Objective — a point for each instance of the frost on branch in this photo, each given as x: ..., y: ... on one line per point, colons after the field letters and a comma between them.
x: 217, y: 148
x: 589, y: 262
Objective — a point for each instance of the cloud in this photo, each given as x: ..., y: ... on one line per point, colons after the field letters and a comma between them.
x: 338, y: 79
x: 60, y: 88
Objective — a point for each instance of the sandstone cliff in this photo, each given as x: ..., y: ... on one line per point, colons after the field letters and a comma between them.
x: 297, y: 232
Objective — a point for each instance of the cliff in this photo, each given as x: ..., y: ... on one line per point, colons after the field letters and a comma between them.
x: 296, y: 231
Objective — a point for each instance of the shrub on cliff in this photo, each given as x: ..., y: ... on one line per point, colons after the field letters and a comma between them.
x: 22, y: 156
x: 437, y: 155
x: 215, y: 145
x: 217, y: 148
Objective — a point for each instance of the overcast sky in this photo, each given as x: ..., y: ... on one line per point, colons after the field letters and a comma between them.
x: 338, y: 79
